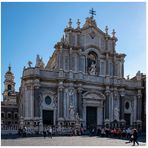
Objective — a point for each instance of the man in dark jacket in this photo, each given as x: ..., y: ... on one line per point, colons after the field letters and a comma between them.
x: 135, y: 137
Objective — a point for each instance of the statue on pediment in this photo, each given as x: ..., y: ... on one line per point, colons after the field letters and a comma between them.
x: 29, y: 63
x: 39, y: 62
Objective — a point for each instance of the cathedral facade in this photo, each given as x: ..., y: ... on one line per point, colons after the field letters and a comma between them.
x: 83, y: 82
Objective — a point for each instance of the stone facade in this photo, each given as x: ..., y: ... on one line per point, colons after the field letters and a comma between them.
x: 82, y: 82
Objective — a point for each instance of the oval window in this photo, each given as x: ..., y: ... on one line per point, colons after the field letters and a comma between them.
x: 127, y: 105
x: 47, y: 100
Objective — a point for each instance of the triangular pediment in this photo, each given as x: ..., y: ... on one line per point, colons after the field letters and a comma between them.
x: 94, y: 95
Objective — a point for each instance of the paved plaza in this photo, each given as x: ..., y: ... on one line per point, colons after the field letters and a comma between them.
x: 66, y: 141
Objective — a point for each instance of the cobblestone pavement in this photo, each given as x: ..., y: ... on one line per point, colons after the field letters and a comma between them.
x: 65, y: 141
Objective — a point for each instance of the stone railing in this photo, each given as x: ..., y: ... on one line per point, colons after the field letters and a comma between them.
x: 31, y: 72
x: 48, y: 74
x: 132, y: 83
x: 61, y: 74
x: 5, y: 129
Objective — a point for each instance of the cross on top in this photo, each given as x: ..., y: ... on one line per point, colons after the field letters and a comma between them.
x: 92, y: 12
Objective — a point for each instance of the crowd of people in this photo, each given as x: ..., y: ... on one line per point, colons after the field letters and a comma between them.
x: 123, y: 133
x: 126, y: 133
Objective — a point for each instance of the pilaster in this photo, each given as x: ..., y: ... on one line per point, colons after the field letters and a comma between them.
x: 61, y: 100
x: 107, y: 93
x: 79, y: 103
x: 122, y: 106
x: 139, y: 103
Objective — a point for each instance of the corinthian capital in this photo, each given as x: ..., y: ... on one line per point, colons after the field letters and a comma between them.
x: 80, y: 89
x: 122, y: 92
x: 139, y: 96
x: 107, y: 92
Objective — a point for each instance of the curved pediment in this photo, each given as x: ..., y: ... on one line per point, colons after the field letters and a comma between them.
x: 94, y: 95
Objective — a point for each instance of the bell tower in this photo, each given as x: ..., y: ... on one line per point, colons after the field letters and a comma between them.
x: 9, y: 83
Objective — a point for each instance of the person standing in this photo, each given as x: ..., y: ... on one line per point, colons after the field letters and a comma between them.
x: 135, y: 137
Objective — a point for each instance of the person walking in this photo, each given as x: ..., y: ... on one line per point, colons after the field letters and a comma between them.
x: 44, y: 133
x: 50, y: 131
x: 135, y: 137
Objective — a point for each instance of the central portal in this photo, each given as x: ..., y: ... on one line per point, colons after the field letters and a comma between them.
x: 91, y: 117
x: 47, y: 117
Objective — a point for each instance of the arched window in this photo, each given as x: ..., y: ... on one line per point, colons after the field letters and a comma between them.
x: 92, y: 63
x: 9, y: 87
x: 9, y: 115
x: 127, y: 105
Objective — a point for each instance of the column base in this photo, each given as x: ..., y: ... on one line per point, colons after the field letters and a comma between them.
x: 139, y: 124
x: 122, y: 123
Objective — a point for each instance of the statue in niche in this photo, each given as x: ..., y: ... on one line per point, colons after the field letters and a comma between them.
x: 92, y: 70
x: 71, y: 112
x: 77, y: 118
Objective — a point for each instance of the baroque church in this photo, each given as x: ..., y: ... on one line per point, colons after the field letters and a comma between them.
x: 83, y: 82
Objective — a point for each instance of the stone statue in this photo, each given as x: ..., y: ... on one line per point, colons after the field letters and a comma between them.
x: 39, y: 62
x: 42, y: 65
x: 92, y: 70
x: 116, y: 113
x: 127, y: 77
x: 29, y: 63
x: 77, y: 118
x: 71, y: 112
x: 138, y: 75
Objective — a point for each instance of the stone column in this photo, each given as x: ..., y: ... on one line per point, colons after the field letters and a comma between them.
x: 107, y: 104
x: 79, y: 103
x: 36, y: 102
x: 122, y: 68
x: 121, y: 107
x: 60, y: 59
x: 99, y: 114
x: 70, y: 59
x: 26, y: 103
x: 139, y: 106
x: 61, y: 101
x: 139, y: 103
x: 84, y: 114
x: 107, y: 65
x: 32, y: 102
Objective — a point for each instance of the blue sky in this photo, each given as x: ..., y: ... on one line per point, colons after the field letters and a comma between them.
x: 29, y: 29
